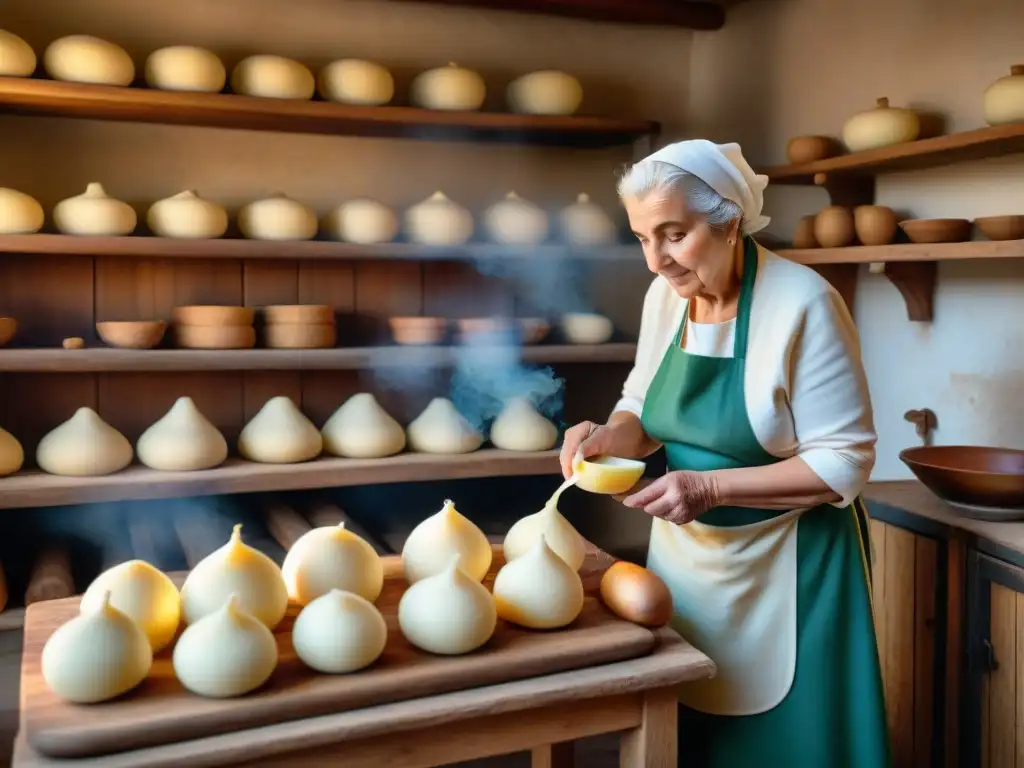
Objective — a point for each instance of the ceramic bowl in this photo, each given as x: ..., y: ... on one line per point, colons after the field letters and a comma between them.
x: 8, y: 326
x: 299, y: 335
x: 199, y: 315
x: 1001, y: 227
x: 131, y: 334
x: 313, y: 314
x: 418, y: 330
x: 607, y: 474
x: 937, y: 230
x: 586, y: 328
x: 215, y: 336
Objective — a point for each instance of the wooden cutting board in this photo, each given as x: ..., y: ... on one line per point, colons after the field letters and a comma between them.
x: 161, y: 711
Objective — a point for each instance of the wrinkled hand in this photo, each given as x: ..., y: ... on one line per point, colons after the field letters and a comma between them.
x: 677, y: 497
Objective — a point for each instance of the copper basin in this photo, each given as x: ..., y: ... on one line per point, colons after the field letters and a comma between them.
x: 967, y: 474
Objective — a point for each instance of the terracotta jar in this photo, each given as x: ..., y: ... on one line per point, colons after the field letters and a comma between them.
x: 875, y: 224
x: 833, y: 227
x: 803, y: 235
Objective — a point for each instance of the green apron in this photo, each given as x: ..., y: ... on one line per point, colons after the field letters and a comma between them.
x: 834, y: 713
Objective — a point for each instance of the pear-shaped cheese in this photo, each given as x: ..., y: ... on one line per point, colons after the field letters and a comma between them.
x: 20, y: 214
x: 584, y: 223
x: 12, y: 455
x: 519, y: 427
x: 362, y: 429
x: 280, y: 434
x: 17, y: 59
x: 432, y: 544
x: 448, y: 613
x: 87, y: 59
x: 182, y: 440
x: 354, y: 81
x: 187, y: 216
x: 94, y: 212
x: 97, y: 655
x: 442, y: 429
x: 450, y: 88
x: 228, y: 652
x: 331, y: 557
x: 362, y: 221
x: 235, y: 569
x: 549, y: 524
x: 339, y: 632
x: 277, y: 218
x: 438, y: 221
x: 515, y: 221
x: 141, y: 592
x: 83, y: 446
x: 185, y: 68
x: 538, y: 590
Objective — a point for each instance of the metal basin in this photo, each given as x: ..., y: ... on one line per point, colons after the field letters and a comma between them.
x: 970, y: 475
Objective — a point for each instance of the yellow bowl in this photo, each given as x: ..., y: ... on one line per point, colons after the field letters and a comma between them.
x: 607, y: 474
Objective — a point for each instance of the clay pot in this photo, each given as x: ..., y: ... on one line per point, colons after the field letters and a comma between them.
x: 212, y: 315
x: 875, y: 224
x: 8, y: 325
x: 833, y: 227
x: 937, y: 230
x: 418, y: 330
x: 300, y: 335
x: 1003, y: 101
x: 132, y: 334
x: 807, y: 149
x: 803, y: 235
x: 215, y: 336
x: 1001, y: 227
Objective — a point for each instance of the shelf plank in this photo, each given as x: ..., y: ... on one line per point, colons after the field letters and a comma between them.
x: 38, y: 489
x: 866, y: 254
x: 692, y: 14
x: 38, y: 96
x: 104, y: 359
x: 981, y: 143
x: 311, y: 250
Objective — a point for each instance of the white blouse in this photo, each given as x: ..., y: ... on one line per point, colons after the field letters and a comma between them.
x: 805, y: 387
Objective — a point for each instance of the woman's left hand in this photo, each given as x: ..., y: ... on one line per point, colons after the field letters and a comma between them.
x: 677, y: 497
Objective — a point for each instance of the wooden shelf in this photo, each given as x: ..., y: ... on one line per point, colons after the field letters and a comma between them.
x: 104, y: 359
x: 313, y: 250
x: 914, y: 155
x: 144, y: 105
x: 867, y: 254
x: 38, y: 489
x: 911, y: 267
x: 689, y: 13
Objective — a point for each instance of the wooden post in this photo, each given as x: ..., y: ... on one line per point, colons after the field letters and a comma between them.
x: 286, y: 525
x: 653, y: 744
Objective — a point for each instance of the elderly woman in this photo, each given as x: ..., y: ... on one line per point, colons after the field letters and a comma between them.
x: 748, y: 372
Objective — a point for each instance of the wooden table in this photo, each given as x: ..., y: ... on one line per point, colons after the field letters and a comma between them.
x: 635, y: 697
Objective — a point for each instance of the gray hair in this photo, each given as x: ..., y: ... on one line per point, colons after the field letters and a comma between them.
x: 644, y: 177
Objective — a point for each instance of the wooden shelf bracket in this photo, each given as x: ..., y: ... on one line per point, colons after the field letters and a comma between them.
x: 916, y: 281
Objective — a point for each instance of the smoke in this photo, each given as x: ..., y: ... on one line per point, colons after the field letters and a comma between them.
x: 549, y: 287
x: 489, y: 372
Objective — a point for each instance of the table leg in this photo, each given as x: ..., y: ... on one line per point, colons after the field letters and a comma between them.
x: 654, y: 744
x: 552, y: 756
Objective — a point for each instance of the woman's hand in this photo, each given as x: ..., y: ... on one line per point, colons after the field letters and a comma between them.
x: 677, y: 497
x: 587, y: 439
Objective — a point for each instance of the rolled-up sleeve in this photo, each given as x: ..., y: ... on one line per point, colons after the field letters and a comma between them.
x: 829, y: 399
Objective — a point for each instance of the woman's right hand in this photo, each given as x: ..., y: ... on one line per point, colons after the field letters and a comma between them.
x: 585, y: 440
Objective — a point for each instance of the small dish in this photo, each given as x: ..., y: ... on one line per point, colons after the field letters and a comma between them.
x: 1001, y: 227
x: 937, y: 230
x: 607, y: 474
x: 131, y: 334
x: 418, y: 330
x: 215, y: 336
x: 299, y: 314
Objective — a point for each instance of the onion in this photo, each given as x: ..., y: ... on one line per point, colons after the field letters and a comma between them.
x: 636, y: 594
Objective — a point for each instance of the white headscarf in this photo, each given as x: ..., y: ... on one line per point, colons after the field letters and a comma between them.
x: 723, y: 168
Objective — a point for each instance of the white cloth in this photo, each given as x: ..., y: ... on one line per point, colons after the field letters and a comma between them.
x: 805, y: 387
x: 723, y: 168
